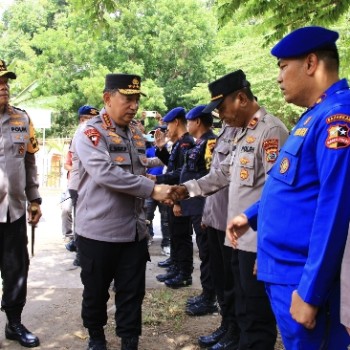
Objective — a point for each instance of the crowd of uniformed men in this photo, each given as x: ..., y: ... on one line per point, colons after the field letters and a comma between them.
x: 269, y: 207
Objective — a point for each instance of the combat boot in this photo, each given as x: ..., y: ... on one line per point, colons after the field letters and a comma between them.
x: 97, y: 340
x: 205, y: 307
x: 15, y: 330
x: 179, y: 281
x: 229, y: 341
x: 211, y: 339
x: 130, y: 343
x: 171, y: 273
x: 166, y: 263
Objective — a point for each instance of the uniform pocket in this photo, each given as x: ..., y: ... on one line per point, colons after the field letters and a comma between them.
x: 246, y: 168
x: 286, y: 168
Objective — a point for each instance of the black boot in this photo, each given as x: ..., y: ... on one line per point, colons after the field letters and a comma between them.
x: 172, y: 272
x: 14, y: 330
x: 179, y: 281
x: 166, y: 263
x: 211, y: 339
x: 229, y: 341
x: 130, y: 343
x: 97, y: 340
x: 206, y: 306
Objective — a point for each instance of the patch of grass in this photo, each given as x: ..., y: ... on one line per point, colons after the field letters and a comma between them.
x: 165, y: 307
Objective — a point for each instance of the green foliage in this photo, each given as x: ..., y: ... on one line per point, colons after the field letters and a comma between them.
x: 277, y: 17
x: 62, y: 50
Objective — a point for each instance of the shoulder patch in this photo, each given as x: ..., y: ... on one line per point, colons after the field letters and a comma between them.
x: 94, y: 135
x: 338, y: 136
x: 271, y: 150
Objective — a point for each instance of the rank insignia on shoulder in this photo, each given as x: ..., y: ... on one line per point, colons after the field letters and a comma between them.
x: 338, y: 136
x: 307, y: 121
x: 93, y: 135
x: 252, y: 124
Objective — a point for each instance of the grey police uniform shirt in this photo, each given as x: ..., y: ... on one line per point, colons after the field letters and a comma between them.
x: 215, y: 208
x: 255, y: 150
x: 112, y: 186
x: 18, y: 171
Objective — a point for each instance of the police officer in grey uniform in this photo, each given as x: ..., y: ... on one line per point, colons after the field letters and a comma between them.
x: 214, y: 218
x: 111, y: 219
x: 256, y: 148
x: 18, y: 183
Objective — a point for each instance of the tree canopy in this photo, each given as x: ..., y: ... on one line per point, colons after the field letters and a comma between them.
x: 61, y: 50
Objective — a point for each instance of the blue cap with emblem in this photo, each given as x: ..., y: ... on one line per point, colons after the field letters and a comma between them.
x: 224, y: 86
x: 178, y: 112
x: 87, y: 111
x: 305, y: 40
x: 197, y: 112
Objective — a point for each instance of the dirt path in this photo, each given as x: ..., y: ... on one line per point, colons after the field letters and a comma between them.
x: 54, y: 294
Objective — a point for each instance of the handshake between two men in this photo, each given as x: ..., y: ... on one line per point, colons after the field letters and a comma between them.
x: 169, y: 194
x: 172, y: 194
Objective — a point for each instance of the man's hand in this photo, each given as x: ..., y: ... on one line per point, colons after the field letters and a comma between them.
x: 34, y: 213
x: 159, y: 138
x: 348, y: 329
x: 160, y: 192
x: 302, y: 312
x: 236, y: 228
x: 151, y: 177
x: 178, y: 192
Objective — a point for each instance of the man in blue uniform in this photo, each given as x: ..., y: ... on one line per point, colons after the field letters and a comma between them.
x: 197, y: 164
x: 180, y: 228
x: 304, y: 211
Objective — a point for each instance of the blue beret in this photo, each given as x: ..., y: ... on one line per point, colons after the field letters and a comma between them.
x: 87, y: 110
x: 177, y: 112
x: 197, y: 112
x: 305, y: 40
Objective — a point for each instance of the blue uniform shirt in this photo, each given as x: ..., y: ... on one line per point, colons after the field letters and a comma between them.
x: 304, y: 211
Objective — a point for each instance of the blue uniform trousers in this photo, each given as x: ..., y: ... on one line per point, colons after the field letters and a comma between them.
x: 103, y: 262
x: 328, y: 334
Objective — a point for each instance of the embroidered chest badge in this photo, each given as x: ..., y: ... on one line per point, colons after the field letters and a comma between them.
x: 284, y: 166
x: 338, y: 136
x: 244, y: 161
x: 119, y: 159
x: 250, y: 139
x: 244, y: 174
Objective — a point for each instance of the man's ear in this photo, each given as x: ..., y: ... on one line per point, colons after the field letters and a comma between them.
x: 311, y: 63
x: 106, y: 97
